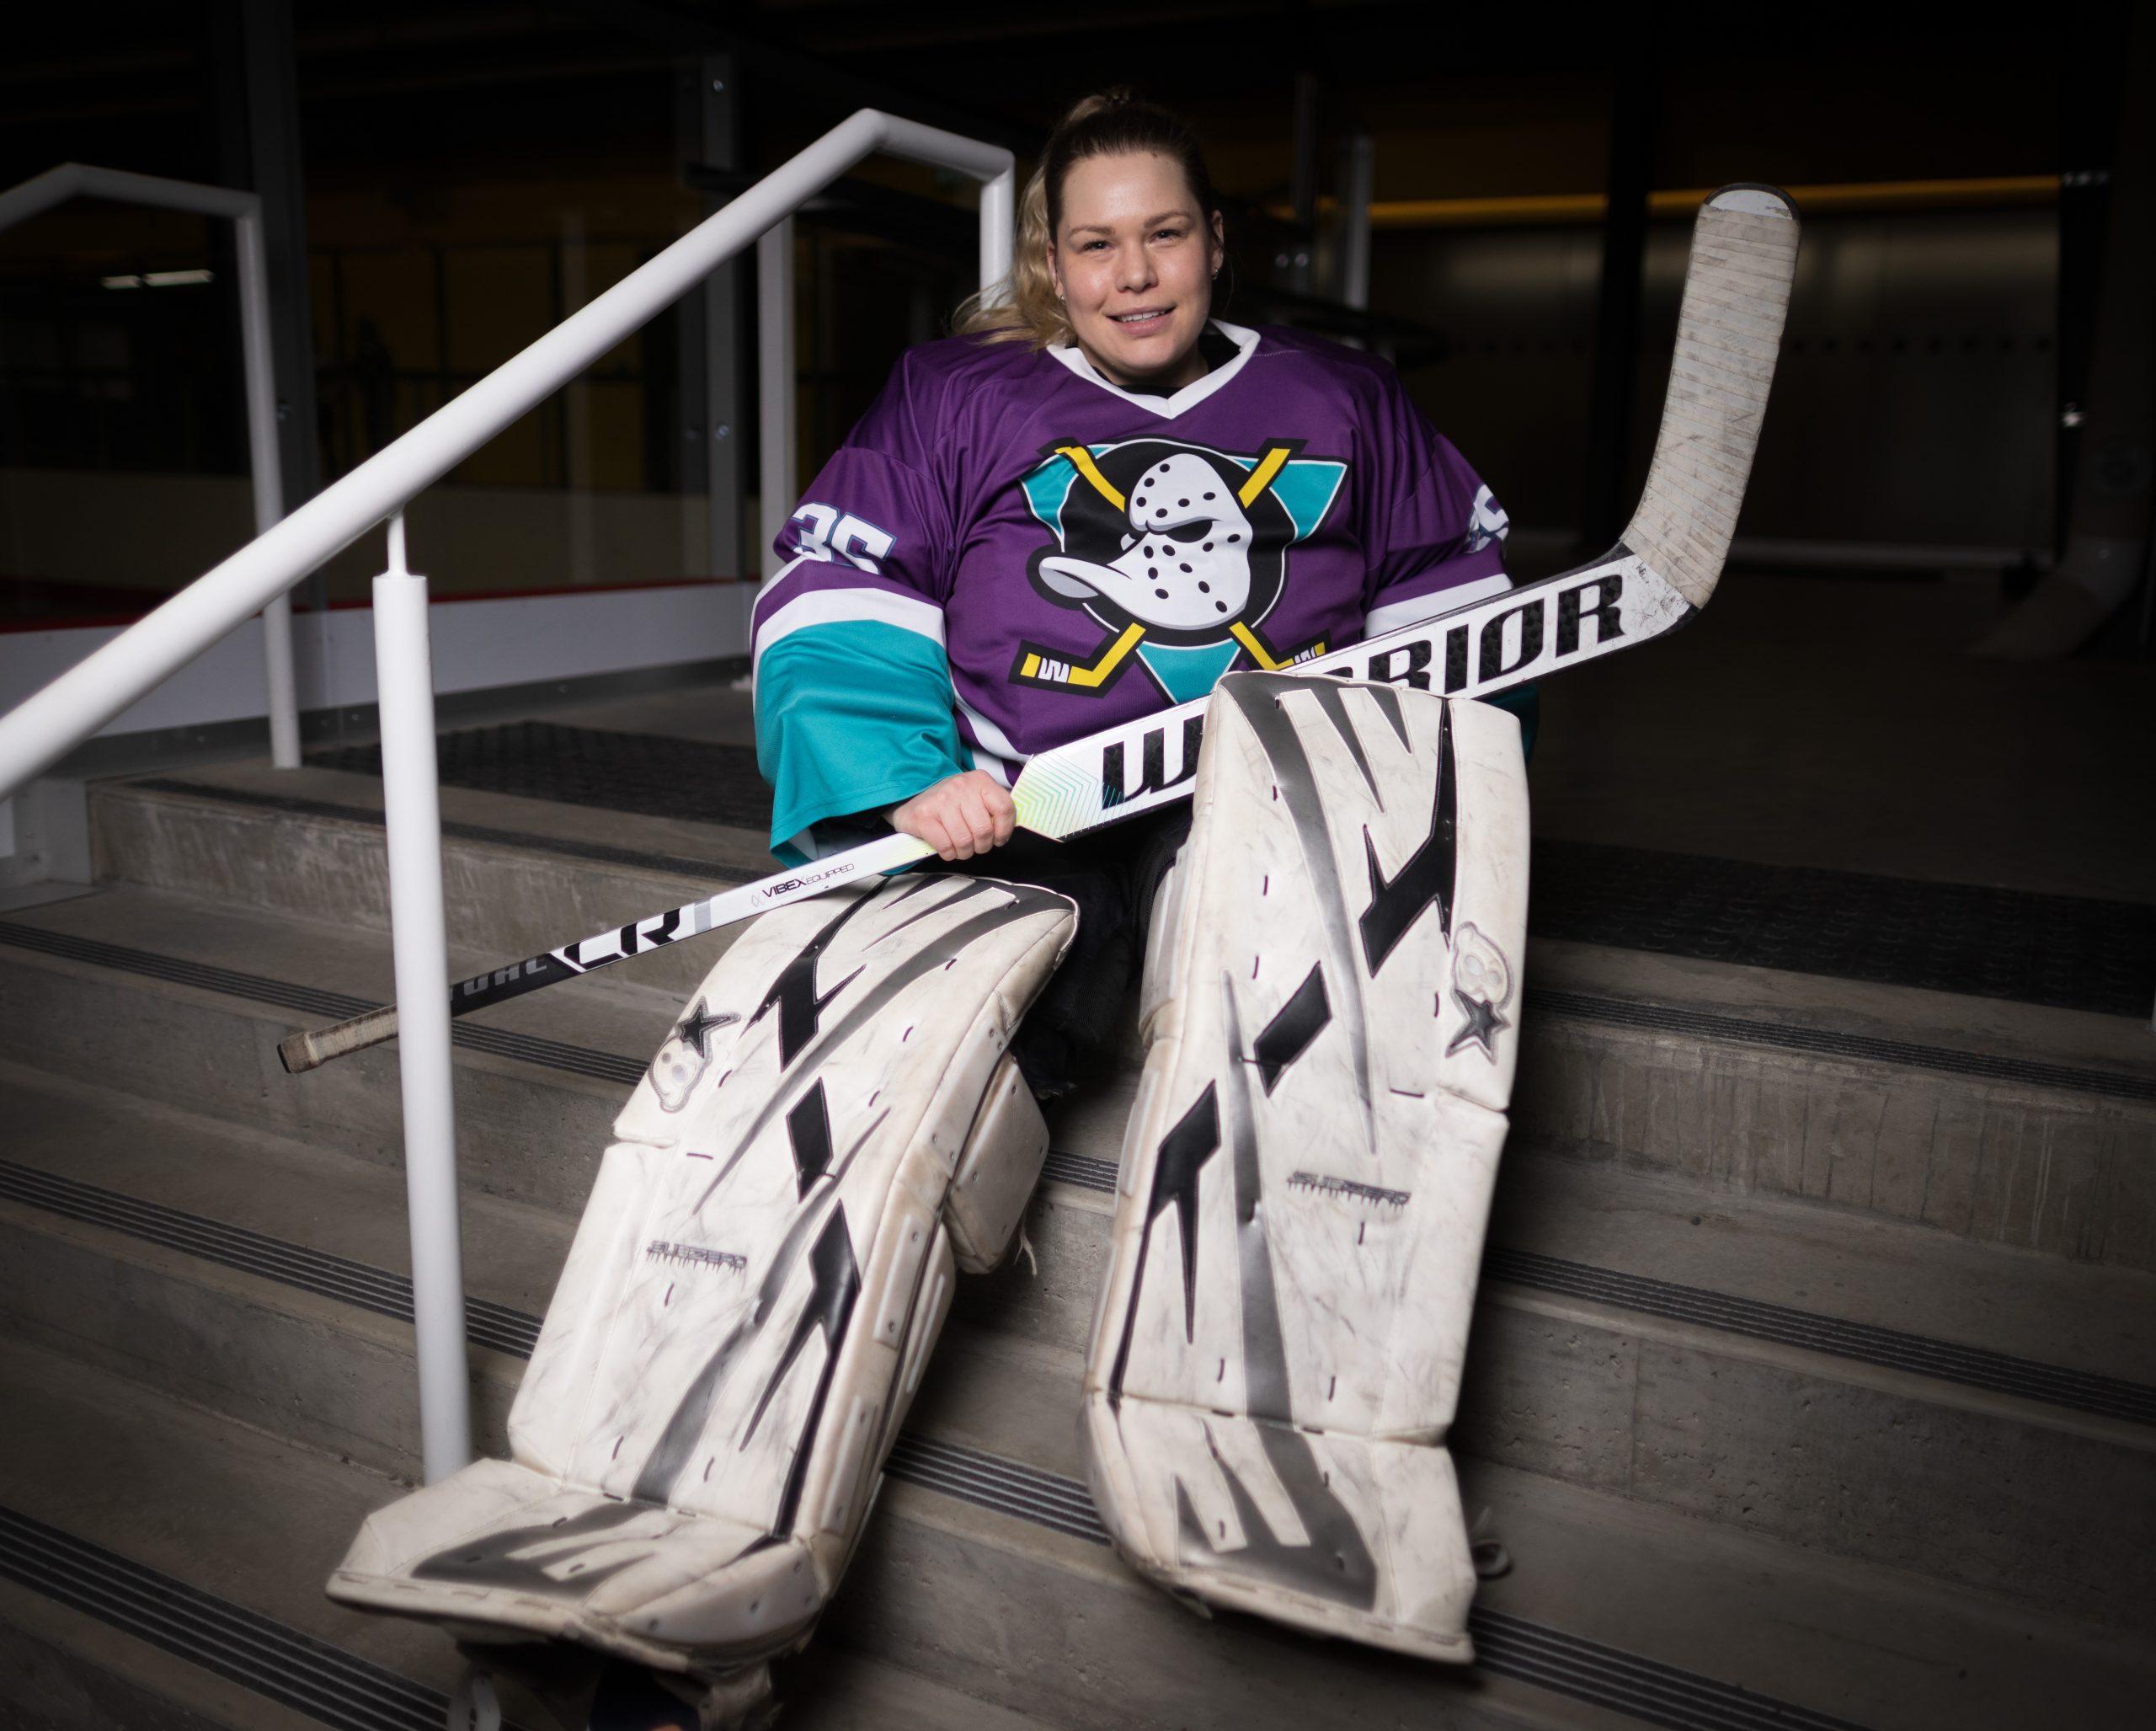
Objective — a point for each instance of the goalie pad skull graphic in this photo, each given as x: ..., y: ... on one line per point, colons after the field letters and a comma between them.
x: 1307, y: 1172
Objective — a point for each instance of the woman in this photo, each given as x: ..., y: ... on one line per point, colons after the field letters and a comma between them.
x: 1085, y: 508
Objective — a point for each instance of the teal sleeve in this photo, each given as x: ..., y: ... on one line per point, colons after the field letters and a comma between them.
x: 850, y: 716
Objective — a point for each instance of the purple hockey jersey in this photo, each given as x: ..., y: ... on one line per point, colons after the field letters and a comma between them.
x: 1010, y: 552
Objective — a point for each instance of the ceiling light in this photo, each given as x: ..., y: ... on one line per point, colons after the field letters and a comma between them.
x: 157, y: 278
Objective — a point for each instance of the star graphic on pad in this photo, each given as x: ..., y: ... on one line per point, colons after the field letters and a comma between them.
x: 698, y: 1028
x: 1483, y: 1022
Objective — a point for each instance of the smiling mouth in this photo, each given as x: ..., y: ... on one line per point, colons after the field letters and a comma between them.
x: 1149, y: 316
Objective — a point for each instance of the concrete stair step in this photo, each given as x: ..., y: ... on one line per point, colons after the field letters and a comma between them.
x: 186, y: 1000
x: 1738, y: 1081
x: 163, y: 1567
x: 979, y: 1611
x: 1757, y: 1253
x: 2000, y: 1121
x: 1603, y: 1592
x: 519, y: 875
x: 265, y: 1279
x: 2007, y: 1123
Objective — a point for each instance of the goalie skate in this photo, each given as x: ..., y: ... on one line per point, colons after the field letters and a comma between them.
x: 763, y: 1266
x: 1332, y: 994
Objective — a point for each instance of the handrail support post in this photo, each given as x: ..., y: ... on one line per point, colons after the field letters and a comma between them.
x: 775, y: 377
x: 419, y: 931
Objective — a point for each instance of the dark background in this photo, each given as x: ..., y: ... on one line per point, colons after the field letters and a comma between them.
x: 468, y: 172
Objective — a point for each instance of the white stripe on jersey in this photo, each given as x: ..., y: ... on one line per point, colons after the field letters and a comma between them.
x: 833, y: 606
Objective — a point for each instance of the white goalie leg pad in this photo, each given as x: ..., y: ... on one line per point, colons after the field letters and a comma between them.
x: 765, y: 1261
x: 1332, y: 1005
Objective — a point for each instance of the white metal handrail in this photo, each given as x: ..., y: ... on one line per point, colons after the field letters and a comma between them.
x: 81, y: 700
x: 73, y: 180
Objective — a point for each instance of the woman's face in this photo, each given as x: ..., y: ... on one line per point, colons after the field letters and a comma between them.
x: 1134, y: 260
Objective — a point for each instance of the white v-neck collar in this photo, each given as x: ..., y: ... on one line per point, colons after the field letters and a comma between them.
x: 1190, y: 396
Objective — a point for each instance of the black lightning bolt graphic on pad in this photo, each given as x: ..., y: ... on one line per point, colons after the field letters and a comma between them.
x: 1429, y: 875
x: 800, y: 1011
x: 808, y: 1134
x: 1194, y: 1139
x: 1289, y: 1034
x: 836, y: 1278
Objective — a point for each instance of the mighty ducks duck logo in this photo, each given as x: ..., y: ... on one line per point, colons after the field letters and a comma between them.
x: 1176, y: 551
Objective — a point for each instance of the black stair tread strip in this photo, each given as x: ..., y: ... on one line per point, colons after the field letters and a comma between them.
x: 555, y: 1055
x: 259, y: 1653
x: 1525, y: 1637
x: 597, y: 853
x: 1664, y: 1018
x: 958, y: 1455
x: 1647, y: 1689
x: 343, y: 1690
x: 311, y: 1001
x: 386, y: 1294
x: 1081, y: 1170
x: 206, y: 1642
x: 1978, y: 1366
x: 382, y: 1291
x: 1662, y: 1694
x: 517, y: 1331
x: 994, y: 1477
x: 608, y: 1066
x: 306, y: 999
x: 2065, y: 951
x: 1016, y: 1505
x: 374, y: 1290
x: 2069, y: 951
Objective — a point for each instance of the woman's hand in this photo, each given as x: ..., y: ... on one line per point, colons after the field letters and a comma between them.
x: 960, y: 817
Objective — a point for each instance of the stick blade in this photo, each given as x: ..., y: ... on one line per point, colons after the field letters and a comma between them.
x: 1729, y: 332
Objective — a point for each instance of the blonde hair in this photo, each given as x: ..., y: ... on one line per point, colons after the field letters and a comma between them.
x: 1024, y: 306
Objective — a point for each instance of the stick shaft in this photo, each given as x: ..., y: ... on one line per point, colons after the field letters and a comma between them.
x: 310, y: 1051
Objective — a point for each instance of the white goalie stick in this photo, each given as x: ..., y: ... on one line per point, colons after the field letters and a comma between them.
x: 1661, y: 573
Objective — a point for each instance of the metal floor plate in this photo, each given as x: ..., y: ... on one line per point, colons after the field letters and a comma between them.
x: 2066, y: 952
x: 652, y: 775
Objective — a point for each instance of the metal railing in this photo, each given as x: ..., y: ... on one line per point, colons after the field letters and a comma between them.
x: 259, y: 576
x: 71, y: 180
